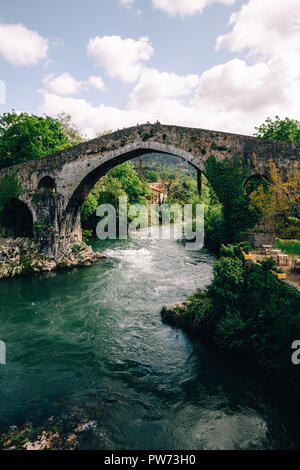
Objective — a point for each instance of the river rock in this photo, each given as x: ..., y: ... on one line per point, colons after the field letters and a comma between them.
x: 21, y: 257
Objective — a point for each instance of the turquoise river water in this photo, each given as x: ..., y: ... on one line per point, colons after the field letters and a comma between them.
x: 93, y: 339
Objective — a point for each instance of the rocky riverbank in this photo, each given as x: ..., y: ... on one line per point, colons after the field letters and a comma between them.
x: 64, y: 433
x: 19, y: 257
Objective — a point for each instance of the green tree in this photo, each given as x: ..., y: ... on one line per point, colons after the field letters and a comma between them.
x: 26, y: 137
x: 120, y: 181
x: 286, y: 130
x: 227, y: 285
x: 111, y: 190
x: 281, y: 198
x: 70, y: 130
x: 130, y: 182
x: 106, y: 191
x: 226, y: 178
x: 150, y: 175
x: 88, y: 212
x: 182, y: 189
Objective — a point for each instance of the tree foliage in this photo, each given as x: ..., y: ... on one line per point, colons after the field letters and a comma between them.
x: 26, y: 137
x: 130, y: 182
x: 280, y: 200
x: 149, y: 175
x: 226, y: 178
x: 71, y: 131
x: 122, y: 180
x: 182, y: 190
x: 286, y: 130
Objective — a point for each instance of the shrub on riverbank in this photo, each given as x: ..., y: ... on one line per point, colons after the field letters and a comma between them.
x: 245, y: 310
x: 226, y: 221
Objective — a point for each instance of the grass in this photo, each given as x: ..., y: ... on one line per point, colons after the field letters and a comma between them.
x: 291, y: 247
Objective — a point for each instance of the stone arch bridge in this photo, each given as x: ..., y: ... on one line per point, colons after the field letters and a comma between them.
x: 55, y: 187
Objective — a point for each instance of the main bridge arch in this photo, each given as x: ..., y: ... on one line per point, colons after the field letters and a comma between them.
x: 71, y: 223
x: 73, y: 172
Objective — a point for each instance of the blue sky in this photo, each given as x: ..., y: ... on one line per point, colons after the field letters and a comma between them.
x: 218, y: 64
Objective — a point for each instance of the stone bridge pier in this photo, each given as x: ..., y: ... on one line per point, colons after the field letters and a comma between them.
x: 55, y: 187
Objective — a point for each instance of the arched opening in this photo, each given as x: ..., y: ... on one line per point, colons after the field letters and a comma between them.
x: 254, y: 181
x: 47, y: 183
x: 72, y: 218
x: 17, y: 220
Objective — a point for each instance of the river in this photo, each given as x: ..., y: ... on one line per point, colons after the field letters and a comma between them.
x: 93, y: 340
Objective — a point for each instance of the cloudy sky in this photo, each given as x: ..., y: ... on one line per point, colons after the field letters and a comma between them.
x: 214, y: 64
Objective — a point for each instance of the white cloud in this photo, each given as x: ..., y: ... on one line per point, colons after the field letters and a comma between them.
x: 66, y: 85
x: 88, y: 117
x: 269, y: 30
x: 186, y: 7
x: 130, y: 5
x: 247, y: 94
x: 22, y: 46
x: 180, y: 7
x: 47, y: 63
x: 265, y: 27
x: 121, y: 58
x: 97, y: 83
x: 235, y: 85
x: 92, y: 119
x: 154, y: 86
x: 127, y: 3
x: 63, y: 84
x: 235, y: 96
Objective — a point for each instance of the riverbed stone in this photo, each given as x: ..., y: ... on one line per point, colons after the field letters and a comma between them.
x: 21, y: 256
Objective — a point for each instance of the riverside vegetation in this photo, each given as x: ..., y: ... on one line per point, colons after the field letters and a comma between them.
x: 247, y: 310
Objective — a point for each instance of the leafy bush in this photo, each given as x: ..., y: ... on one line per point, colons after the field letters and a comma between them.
x: 78, y: 248
x: 87, y: 235
x: 287, y: 130
x: 289, y: 229
x: 231, y: 251
x: 214, y: 227
x: 26, y: 137
x: 246, y: 247
x: 226, y: 178
x: 27, y: 262
x: 195, y: 316
x: 269, y: 264
x: 227, y: 285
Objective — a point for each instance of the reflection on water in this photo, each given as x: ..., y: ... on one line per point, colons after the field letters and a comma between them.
x: 93, y: 340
